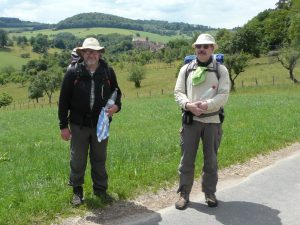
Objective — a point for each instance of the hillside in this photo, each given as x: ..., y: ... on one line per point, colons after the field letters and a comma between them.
x: 85, y: 20
x: 8, y: 22
x: 95, y: 19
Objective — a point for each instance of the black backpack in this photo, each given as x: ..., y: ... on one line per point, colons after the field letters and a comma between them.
x: 193, y: 66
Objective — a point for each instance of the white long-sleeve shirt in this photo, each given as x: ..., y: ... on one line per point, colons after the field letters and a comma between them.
x: 218, y: 97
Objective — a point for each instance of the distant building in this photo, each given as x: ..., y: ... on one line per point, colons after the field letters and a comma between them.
x: 144, y: 43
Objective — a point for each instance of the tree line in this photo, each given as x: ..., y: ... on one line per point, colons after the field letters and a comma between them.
x: 276, y: 31
x: 85, y: 20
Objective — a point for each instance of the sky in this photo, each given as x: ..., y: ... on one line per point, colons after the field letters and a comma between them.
x: 214, y: 13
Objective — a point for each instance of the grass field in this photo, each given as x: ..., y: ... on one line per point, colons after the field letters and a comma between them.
x: 160, y: 77
x: 11, y: 56
x: 84, y: 32
x: 143, y: 152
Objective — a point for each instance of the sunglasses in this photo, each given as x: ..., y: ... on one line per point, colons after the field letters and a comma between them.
x: 90, y: 51
x: 205, y: 46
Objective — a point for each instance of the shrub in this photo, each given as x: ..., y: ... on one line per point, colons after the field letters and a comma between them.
x: 5, y: 99
x: 25, y: 55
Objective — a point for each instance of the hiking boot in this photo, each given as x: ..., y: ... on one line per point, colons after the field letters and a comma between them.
x: 211, y: 200
x: 105, y: 198
x: 181, y: 204
x: 77, y: 198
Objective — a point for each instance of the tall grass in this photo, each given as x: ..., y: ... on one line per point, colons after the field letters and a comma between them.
x: 143, y: 152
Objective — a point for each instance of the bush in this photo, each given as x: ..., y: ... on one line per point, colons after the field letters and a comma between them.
x: 25, y: 55
x: 5, y: 99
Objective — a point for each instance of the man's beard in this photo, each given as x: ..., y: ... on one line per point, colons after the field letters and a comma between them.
x: 91, y: 62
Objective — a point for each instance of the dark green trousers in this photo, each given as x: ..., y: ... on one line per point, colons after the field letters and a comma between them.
x: 83, y: 143
x: 210, y: 134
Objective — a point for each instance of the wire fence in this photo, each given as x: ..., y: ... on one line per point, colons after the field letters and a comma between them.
x: 44, y: 102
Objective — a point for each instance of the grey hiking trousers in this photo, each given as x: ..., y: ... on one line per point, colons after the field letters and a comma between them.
x: 210, y: 134
x: 84, y: 141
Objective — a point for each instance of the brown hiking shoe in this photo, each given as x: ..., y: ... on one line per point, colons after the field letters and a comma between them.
x: 181, y: 204
x: 211, y: 200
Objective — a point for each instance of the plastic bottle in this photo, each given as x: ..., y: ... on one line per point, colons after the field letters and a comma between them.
x: 112, y: 99
x: 208, y: 94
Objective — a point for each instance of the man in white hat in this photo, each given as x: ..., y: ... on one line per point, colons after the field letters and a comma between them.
x: 84, y: 92
x: 202, y: 88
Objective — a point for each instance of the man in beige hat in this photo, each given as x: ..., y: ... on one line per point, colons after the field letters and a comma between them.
x: 202, y: 88
x: 84, y: 92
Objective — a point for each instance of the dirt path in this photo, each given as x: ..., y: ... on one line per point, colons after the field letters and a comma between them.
x: 164, y: 198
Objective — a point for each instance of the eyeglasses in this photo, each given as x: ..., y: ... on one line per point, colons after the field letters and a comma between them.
x: 205, y: 46
x: 90, y: 51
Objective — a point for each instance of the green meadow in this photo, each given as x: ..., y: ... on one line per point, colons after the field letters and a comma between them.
x: 11, y: 56
x: 84, y: 32
x: 143, y: 152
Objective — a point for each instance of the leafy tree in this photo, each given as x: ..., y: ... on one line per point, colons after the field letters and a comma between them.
x: 283, y: 4
x: 3, y: 38
x: 8, y: 70
x: 34, y: 66
x: 236, y: 63
x: 40, y: 43
x: 288, y: 58
x: 169, y: 56
x: 5, y: 99
x: 35, y: 91
x: 47, y: 81
x: 224, y: 39
x: 136, y: 74
x: 294, y: 28
x: 247, y: 40
x: 19, y: 78
x: 65, y: 40
x: 276, y: 29
x: 3, y: 79
x: 22, y: 41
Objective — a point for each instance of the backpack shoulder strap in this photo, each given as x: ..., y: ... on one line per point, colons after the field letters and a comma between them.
x: 190, y: 67
x: 215, y: 69
x: 76, y: 72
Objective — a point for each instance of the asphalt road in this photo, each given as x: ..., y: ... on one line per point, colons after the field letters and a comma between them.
x: 270, y: 196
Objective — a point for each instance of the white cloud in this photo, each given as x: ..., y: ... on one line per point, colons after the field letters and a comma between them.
x: 214, y: 13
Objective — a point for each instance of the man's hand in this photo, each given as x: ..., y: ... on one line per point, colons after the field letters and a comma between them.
x: 110, y: 111
x: 202, y: 105
x: 65, y: 134
x: 194, y: 108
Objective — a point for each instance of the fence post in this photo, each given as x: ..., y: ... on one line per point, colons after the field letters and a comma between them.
x: 273, y: 80
x: 242, y: 84
x: 162, y: 91
x: 256, y: 81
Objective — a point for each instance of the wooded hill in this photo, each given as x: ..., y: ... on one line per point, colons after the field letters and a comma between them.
x: 8, y: 22
x: 88, y: 20
x: 84, y: 20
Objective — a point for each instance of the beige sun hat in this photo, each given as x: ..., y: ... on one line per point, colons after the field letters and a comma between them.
x: 205, y: 39
x: 90, y: 43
